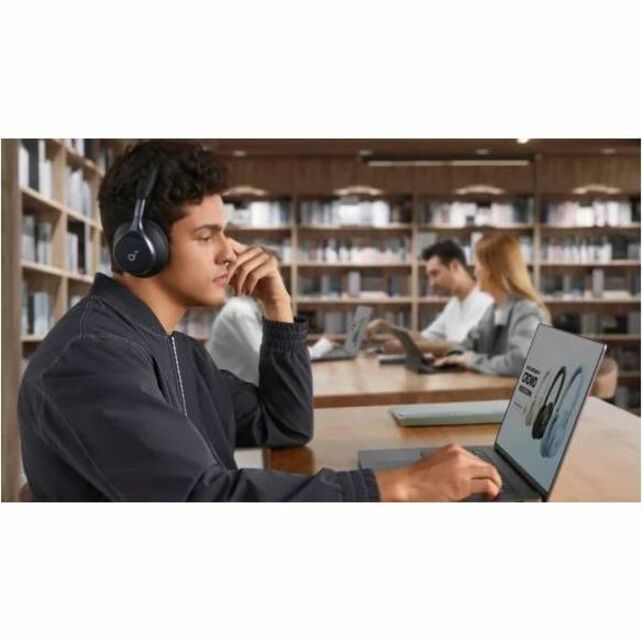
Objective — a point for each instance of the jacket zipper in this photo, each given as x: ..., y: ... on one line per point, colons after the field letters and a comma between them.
x: 180, y: 384
x: 180, y: 379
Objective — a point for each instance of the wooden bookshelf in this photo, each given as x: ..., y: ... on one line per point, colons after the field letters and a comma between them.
x: 53, y: 277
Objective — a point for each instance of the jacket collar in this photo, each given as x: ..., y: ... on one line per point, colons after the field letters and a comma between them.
x: 127, y: 303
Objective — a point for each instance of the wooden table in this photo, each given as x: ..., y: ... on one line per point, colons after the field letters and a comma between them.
x: 363, y: 382
x: 602, y: 463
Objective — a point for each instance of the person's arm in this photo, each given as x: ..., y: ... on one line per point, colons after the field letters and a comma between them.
x: 509, y: 363
x: 102, y: 412
x: 279, y: 411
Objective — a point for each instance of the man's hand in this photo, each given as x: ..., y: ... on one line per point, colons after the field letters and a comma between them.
x: 256, y: 273
x: 449, y: 474
x: 452, y: 360
x: 375, y: 327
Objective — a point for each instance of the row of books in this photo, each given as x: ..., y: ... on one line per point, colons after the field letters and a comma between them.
x: 598, y: 213
x: 460, y: 214
x: 79, y: 197
x: 355, y: 284
x: 35, y: 170
x: 598, y: 284
x: 598, y: 323
x: 36, y: 311
x: 585, y: 250
x: 390, y: 250
x: 258, y: 214
x: 354, y: 212
x: 338, y: 322
x: 78, y: 256
x: 36, y: 240
x: 92, y: 150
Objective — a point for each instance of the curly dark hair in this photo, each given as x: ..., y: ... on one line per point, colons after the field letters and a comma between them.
x: 186, y: 173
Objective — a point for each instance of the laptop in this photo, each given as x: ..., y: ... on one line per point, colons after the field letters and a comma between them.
x: 413, y: 359
x: 354, y: 337
x: 533, y: 438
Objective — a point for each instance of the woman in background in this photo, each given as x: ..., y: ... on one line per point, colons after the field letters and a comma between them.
x: 499, y: 342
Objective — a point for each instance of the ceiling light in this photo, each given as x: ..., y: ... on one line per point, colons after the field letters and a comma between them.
x: 471, y: 162
x: 523, y: 141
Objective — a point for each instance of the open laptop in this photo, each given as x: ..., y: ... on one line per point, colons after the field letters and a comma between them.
x: 354, y: 337
x: 555, y: 380
x: 413, y: 358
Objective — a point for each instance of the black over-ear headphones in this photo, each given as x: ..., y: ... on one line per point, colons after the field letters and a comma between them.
x: 141, y: 248
x: 546, y: 411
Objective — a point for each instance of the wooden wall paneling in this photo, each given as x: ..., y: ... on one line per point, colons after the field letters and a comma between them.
x: 433, y: 180
x: 513, y: 180
x: 392, y: 180
x: 562, y: 174
x: 11, y: 296
x: 274, y: 175
x: 322, y: 176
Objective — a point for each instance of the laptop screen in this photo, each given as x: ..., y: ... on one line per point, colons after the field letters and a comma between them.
x: 547, y: 400
x: 357, y: 329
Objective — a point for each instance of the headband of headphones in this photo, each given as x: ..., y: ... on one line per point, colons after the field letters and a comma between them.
x: 561, y: 374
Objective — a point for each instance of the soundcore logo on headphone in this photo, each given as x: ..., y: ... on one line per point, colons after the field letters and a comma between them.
x: 132, y: 257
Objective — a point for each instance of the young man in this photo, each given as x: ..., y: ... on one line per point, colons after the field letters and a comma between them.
x: 446, y: 271
x: 116, y: 405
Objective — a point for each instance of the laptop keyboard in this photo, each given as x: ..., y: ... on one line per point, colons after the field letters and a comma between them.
x: 485, y: 455
x: 507, y: 487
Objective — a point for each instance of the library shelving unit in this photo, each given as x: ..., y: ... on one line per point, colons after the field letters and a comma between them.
x: 52, y: 247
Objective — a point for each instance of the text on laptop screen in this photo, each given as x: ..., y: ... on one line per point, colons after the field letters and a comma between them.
x: 547, y: 400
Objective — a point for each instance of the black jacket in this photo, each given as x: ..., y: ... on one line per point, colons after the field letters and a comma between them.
x: 112, y: 408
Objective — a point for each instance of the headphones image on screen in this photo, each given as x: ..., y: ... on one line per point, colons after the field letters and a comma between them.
x: 555, y: 436
x: 531, y: 410
x: 546, y: 411
x: 141, y: 248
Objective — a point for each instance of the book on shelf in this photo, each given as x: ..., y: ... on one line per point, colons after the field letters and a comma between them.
x: 390, y: 250
x: 35, y: 170
x: 354, y: 284
x: 83, y: 146
x: 36, y: 240
x: 599, y: 213
x: 483, y: 213
x: 258, y: 213
x: 79, y: 197
x: 597, y: 283
x: 36, y: 312
x: 599, y: 323
x: 353, y: 212
x: 44, y: 232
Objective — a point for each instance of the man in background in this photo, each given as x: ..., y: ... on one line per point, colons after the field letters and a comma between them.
x: 447, y: 273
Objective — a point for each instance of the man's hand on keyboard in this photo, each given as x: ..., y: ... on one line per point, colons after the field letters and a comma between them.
x: 449, y: 474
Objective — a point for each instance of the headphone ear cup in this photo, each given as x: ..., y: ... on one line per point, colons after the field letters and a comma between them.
x: 121, y: 230
x: 160, y: 243
x: 542, y: 419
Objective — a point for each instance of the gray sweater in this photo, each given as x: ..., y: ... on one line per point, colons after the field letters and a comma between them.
x: 498, y: 344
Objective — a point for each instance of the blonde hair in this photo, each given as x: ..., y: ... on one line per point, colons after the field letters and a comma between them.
x: 501, y: 254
